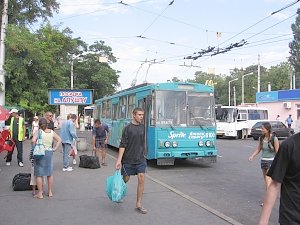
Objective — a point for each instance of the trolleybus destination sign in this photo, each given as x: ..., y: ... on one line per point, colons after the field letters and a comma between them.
x: 70, y: 97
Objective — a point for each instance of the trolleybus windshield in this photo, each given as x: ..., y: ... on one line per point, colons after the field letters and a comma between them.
x: 184, y: 108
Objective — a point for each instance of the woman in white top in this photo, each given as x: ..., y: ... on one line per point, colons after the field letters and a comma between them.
x: 43, y: 165
x: 35, y: 125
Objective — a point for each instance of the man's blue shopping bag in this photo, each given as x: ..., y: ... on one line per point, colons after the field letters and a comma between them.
x: 116, y: 187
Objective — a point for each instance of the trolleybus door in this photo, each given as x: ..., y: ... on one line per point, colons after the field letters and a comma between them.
x: 145, y: 103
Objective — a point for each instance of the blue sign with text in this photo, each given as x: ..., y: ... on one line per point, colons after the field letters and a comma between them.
x: 271, y: 96
x: 70, y: 97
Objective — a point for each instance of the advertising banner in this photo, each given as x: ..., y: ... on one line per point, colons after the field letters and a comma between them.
x: 271, y: 96
x: 70, y: 97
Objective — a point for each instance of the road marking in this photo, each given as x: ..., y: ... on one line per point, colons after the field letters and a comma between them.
x: 189, y: 198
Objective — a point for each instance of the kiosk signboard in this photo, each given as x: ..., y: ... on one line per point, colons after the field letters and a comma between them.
x: 70, y: 97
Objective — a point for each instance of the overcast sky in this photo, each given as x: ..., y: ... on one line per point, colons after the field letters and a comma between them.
x: 167, y: 32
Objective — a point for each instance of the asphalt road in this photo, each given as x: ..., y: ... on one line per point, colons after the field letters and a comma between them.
x: 227, y: 192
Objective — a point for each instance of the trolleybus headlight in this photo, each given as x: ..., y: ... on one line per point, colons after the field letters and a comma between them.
x: 174, y: 144
x: 167, y: 144
x: 208, y: 143
x: 200, y: 143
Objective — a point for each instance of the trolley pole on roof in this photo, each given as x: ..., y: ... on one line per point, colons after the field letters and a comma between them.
x: 2, y: 52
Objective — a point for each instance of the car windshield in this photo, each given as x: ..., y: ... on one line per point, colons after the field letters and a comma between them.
x: 257, y: 125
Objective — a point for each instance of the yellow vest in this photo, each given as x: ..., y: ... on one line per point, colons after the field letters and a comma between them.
x: 21, y: 128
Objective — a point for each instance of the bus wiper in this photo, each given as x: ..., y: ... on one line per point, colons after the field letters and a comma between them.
x: 196, y: 120
x: 172, y: 127
x: 199, y: 124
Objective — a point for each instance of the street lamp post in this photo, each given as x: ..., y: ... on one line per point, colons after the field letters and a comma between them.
x: 234, y: 96
x: 229, y: 89
x: 243, y: 87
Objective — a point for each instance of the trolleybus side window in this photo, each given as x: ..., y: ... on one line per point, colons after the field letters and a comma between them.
x: 114, y: 111
x: 131, y: 105
x: 122, y: 107
x: 103, y: 112
x: 108, y: 109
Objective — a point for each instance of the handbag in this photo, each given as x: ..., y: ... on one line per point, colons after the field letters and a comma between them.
x: 39, y: 148
x: 72, y: 152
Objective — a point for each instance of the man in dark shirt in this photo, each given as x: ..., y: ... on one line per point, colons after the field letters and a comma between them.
x: 100, y: 137
x: 49, y: 118
x: 132, y: 154
x: 285, y: 174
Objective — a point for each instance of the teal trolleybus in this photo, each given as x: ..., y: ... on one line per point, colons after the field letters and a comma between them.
x: 179, y: 119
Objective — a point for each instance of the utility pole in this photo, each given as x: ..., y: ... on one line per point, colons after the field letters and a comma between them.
x: 72, y: 73
x: 294, y: 79
x: 258, y: 74
x: 2, y: 52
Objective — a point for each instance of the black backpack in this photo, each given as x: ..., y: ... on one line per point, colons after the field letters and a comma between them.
x: 270, y: 143
x: 21, y: 182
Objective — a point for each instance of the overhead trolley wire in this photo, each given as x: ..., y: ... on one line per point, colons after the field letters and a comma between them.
x: 155, y: 19
x: 285, y: 7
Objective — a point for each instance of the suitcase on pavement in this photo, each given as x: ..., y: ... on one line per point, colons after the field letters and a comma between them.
x: 21, y: 182
x: 91, y: 162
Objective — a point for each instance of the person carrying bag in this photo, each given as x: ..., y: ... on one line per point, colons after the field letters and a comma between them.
x: 43, y: 156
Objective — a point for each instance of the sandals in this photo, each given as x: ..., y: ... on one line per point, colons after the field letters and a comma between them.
x: 104, y: 164
x: 38, y: 196
x: 141, y: 210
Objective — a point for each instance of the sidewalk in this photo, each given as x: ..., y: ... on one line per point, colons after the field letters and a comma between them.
x: 80, y: 199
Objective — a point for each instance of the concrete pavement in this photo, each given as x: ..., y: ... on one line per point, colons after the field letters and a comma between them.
x: 80, y: 199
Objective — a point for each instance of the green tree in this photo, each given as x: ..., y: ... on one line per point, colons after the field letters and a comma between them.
x: 35, y: 63
x: 219, y: 84
x: 92, y: 74
x: 23, y: 12
x: 294, y: 58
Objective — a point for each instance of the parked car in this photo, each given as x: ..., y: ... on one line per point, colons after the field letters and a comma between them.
x: 278, y: 128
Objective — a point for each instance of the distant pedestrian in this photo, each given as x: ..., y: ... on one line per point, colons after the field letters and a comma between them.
x: 285, y: 175
x: 74, y: 143
x: 100, y: 137
x: 34, y: 125
x: 50, y: 123
x: 278, y: 117
x: 43, y: 165
x: 289, y: 121
x: 68, y: 134
x: 131, y: 159
x: 18, y: 131
x: 268, y: 145
x: 34, y: 128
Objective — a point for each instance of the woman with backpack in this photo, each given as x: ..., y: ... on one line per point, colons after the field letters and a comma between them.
x: 268, y: 145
